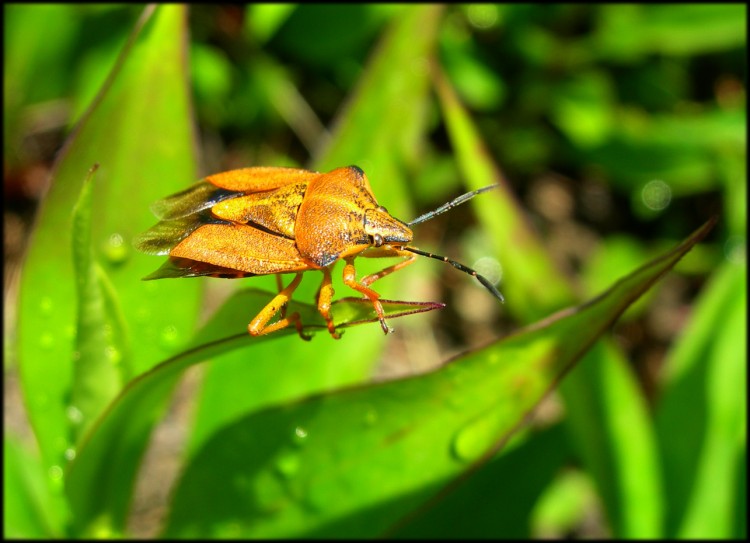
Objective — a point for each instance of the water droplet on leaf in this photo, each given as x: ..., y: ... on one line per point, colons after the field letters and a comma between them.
x: 115, y: 249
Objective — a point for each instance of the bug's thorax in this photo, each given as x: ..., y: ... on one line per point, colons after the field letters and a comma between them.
x: 340, y: 217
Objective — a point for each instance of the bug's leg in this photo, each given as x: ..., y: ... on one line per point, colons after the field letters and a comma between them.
x: 325, y: 294
x: 279, y: 288
x: 257, y: 326
x: 410, y: 259
x: 350, y: 280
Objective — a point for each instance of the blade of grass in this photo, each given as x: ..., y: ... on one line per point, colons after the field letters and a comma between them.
x: 98, y: 373
x: 30, y: 510
x: 528, y: 272
x: 702, y: 415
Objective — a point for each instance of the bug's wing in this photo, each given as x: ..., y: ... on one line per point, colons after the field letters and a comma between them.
x: 184, y: 267
x: 260, y: 179
x: 241, y: 248
x: 202, y: 195
x: 165, y: 235
x: 275, y: 210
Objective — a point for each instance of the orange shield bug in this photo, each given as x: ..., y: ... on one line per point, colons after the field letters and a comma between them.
x: 263, y: 220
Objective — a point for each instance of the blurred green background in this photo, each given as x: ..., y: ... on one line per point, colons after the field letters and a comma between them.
x: 620, y: 129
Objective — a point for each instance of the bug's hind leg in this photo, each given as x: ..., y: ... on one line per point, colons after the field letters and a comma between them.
x: 259, y: 325
x: 325, y: 294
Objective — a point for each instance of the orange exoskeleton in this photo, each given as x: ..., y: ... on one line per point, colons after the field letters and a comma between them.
x: 266, y: 220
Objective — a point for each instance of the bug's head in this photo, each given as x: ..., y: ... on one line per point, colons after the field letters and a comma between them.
x: 383, y: 228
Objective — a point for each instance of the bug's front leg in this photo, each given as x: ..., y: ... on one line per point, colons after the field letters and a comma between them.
x: 325, y: 294
x: 258, y: 326
x: 350, y: 280
x: 387, y: 253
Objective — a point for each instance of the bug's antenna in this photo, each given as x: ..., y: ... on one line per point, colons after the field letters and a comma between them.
x: 453, y: 203
x: 485, y: 282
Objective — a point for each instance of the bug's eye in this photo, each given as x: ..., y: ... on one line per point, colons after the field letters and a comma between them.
x: 382, y: 209
x: 377, y: 240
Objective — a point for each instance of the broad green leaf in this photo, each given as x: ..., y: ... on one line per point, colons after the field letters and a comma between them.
x: 356, y: 461
x: 30, y: 510
x: 702, y: 415
x: 380, y: 130
x: 139, y: 131
x: 107, y: 460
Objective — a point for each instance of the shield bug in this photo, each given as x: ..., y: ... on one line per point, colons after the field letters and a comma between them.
x: 265, y: 220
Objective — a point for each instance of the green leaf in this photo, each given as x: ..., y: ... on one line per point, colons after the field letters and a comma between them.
x: 609, y: 419
x: 628, y: 32
x: 30, y: 510
x: 509, y: 486
x: 702, y: 415
x: 528, y: 271
x: 107, y: 460
x: 354, y: 462
x: 139, y: 131
x: 262, y: 20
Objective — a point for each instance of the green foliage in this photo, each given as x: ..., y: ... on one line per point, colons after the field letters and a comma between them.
x: 638, y: 110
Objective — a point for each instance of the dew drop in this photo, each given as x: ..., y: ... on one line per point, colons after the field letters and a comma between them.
x: 115, y: 249
x: 169, y: 337
x: 113, y: 355
x: 55, y: 473
x: 474, y: 439
x: 75, y: 416
x: 45, y: 306
x: 46, y: 340
x: 288, y: 465
x: 70, y: 453
x: 371, y: 416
